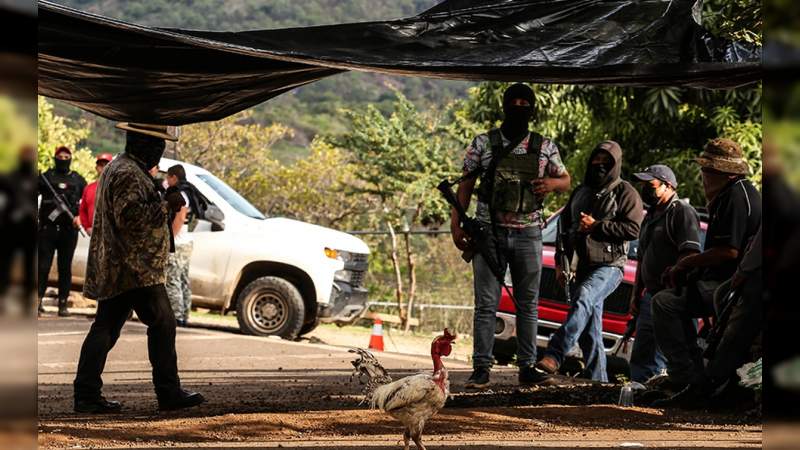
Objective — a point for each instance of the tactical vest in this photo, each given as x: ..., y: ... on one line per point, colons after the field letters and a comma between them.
x: 506, y: 185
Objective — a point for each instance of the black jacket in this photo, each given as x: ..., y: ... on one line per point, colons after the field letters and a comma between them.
x: 69, y: 185
x: 617, y: 208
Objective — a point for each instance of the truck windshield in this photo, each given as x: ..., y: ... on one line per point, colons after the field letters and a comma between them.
x: 232, y: 197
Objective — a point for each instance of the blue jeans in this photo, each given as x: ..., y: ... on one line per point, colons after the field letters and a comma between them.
x: 584, y: 324
x: 522, y: 248
x: 646, y: 359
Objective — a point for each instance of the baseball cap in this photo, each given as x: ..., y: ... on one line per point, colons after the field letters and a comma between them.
x: 105, y: 157
x: 657, y: 172
x: 62, y: 148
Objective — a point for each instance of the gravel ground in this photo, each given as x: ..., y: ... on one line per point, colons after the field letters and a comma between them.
x: 274, y: 393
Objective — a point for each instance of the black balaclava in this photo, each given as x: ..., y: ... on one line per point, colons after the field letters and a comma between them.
x: 146, y: 148
x: 599, y: 176
x: 516, y: 118
x: 62, y: 165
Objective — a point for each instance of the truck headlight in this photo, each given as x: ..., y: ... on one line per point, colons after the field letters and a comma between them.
x: 343, y: 275
x: 341, y: 255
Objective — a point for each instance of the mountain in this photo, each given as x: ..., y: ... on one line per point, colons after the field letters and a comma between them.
x: 311, y: 109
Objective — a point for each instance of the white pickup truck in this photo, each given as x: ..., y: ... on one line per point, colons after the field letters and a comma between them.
x: 281, y: 276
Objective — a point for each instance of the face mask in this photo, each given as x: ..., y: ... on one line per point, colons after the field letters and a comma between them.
x: 597, y: 174
x: 62, y: 165
x: 713, y: 184
x: 516, y: 120
x: 650, y: 195
x: 146, y: 148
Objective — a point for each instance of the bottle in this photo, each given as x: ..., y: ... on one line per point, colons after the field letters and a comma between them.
x: 626, y: 395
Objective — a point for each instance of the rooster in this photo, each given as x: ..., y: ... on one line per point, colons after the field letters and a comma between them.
x: 411, y: 400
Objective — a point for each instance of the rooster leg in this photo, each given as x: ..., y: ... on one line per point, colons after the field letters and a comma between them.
x: 406, y: 437
x: 416, y: 435
x: 418, y: 440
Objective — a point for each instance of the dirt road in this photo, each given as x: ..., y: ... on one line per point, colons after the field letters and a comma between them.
x: 273, y: 393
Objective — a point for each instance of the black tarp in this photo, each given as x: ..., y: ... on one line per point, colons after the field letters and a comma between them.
x: 128, y: 72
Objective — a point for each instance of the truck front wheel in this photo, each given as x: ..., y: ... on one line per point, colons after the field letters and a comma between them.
x: 270, y: 306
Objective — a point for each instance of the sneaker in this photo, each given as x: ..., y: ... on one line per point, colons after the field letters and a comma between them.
x: 532, y: 375
x: 547, y: 364
x: 479, y: 379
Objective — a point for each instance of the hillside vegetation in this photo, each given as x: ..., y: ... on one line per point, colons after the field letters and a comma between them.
x: 309, y: 110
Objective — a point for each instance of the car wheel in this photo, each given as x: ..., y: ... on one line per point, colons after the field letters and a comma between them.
x: 270, y: 306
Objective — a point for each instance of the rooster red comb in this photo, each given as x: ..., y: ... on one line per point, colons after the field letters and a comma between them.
x: 445, y: 336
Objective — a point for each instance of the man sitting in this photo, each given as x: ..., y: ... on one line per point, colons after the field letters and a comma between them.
x: 735, y: 214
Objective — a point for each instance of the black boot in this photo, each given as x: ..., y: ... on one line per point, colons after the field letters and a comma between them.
x: 97, y: 406
x: 40, y: 308
x: 62, y: 308
x: 479, y: 379
x: 694, y: 396
x: 179, y: 400
x: 532, y: 375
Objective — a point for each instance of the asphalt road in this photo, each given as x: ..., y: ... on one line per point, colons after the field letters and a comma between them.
x: 265, y: 392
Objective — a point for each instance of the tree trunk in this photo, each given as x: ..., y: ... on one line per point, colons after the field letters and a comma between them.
x: 412, y: 281
x: 398, y: 279
x: 412, y: 269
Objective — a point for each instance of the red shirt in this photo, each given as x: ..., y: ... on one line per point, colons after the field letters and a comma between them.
x: 86, y: 210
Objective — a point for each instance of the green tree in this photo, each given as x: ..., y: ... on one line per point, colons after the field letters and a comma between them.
x: 15, y: 133
x: 55, y: 131
x: 401, y: 157
x: 653, y: 125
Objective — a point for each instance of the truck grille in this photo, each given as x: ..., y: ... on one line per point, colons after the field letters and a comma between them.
x: 357, y: 279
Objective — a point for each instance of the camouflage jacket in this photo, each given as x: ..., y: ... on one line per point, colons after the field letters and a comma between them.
x: 130, y: 238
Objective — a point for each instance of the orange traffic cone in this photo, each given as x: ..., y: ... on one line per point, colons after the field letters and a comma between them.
x: 376, y: 340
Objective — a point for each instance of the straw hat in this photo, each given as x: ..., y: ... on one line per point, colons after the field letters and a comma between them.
x: 725, y: 156
x: 159, y: 131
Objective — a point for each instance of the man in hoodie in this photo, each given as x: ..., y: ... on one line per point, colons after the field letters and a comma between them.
x: 602, y: 215
x: 517, y: 168
x: 58, y: 233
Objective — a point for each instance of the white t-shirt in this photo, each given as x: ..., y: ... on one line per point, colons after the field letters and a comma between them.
x: 183, y: 236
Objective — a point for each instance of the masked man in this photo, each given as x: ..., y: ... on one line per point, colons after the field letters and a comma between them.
x: 670, y: 231
x: 517, y: 169
x: 58, y: 232
x: 601, y: 216
x: 126, y: 271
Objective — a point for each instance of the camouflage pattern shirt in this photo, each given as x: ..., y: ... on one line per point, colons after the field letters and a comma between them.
x: 130, y: 238
x: 479, y: 152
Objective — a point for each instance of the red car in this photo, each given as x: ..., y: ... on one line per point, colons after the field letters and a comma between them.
x: 553, y: 308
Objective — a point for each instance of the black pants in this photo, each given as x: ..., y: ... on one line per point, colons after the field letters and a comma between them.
x: 60, y: 239
x: 744, y: 325
x: 674, y: 311
x: 152, y: 306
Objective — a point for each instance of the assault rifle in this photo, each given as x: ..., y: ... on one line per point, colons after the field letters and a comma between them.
x: 479, y: 233
x: 61, y: 205
x: 565, y: 262
x: 715, y: 333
